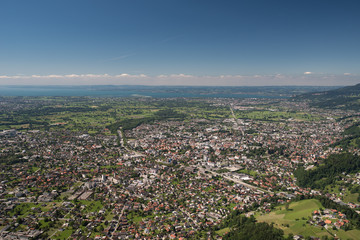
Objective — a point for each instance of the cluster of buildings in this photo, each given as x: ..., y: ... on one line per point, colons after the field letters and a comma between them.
x: 329, y: 218
x: 169, y: 179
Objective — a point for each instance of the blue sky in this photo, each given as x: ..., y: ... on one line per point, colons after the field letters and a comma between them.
x: 180, y: 42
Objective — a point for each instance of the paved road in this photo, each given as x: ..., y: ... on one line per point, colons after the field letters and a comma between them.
x: 117, y: 225
x: 235, y: 119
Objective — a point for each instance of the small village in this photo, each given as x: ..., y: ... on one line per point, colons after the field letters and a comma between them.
x: 329, y: 218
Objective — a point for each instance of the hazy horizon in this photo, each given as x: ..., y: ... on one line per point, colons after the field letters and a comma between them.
x: 181, y: 80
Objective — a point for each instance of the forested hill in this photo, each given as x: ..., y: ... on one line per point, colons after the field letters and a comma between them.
x: 351, y: 139
x: 328, y: 172
x: 345, y: 98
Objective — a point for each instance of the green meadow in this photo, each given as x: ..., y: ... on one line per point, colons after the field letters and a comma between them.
x: 93, y: 115
x: 294, y: 220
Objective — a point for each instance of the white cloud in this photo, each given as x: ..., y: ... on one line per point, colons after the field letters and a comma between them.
x: 71, y: 76
x: 182, y: 79
x: 54, y: 76
x: 122, y: 75
x: 347, y: 74
x: 181, y: 75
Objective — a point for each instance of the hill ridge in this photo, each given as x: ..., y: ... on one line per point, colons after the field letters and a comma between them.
x: 342, y: 98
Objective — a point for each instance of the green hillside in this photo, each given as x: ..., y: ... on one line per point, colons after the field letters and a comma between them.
x: 342, y: 98
x: 328, y: 172
x: 295, y: 221
x: 351, y: 139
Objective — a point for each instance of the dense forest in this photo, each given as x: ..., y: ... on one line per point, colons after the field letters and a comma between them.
x: 353, y: 130
x: 328, y: 172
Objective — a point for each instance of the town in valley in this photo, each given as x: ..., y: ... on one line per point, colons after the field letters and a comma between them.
x: 176, y: 168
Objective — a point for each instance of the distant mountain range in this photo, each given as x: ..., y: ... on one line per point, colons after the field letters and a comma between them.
x: 343, y: 98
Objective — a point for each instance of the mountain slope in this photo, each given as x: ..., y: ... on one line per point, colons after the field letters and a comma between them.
x: 344, y: 98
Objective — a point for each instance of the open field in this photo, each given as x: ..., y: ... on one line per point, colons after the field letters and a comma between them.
x: 81, y: 114
x: 91, y: 206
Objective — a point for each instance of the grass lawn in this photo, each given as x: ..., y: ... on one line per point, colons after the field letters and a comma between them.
x: 351, y: 197
x: 65, y: 195
x: 223, y: 231
x: 63, y: 234
x: 137, y: 219
x: 109, y: 216
x: 34, y: 169
x: 301, y: 209
x: 294, y: 220
x: 352, y: 234
x: 91, y: 206
x: 248, y: 172
x: 23, y: 209
x: 52, y: 227
x: 134, y: 217
x: 44, y: 224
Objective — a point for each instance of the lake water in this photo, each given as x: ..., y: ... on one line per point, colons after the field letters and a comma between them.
x: 158, y: 91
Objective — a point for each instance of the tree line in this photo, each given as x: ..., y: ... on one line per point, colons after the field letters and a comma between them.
x: 328, y: 172
x: 244, y: 228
